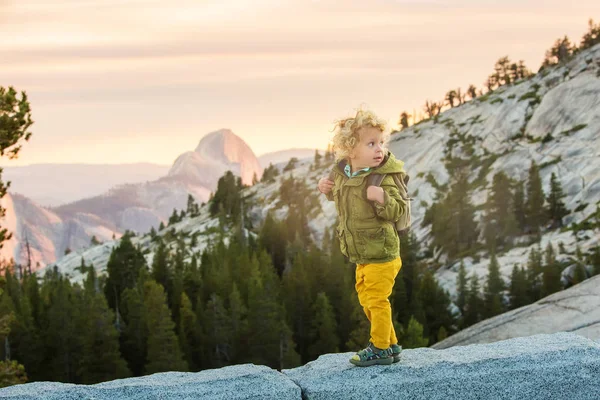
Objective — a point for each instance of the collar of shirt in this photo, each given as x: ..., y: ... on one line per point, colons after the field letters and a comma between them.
x: 350, y: 175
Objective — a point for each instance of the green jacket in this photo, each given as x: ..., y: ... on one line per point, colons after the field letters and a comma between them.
x: 366, y: 229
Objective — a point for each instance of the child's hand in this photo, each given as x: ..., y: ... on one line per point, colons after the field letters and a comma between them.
x: 375, y: 193
x: 325, y: 185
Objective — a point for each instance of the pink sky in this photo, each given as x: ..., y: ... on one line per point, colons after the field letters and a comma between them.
x: 143, y: 80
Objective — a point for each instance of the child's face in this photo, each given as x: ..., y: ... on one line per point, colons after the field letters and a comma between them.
x: 369, y: 152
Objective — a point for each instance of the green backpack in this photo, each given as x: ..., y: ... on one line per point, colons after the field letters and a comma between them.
x: 403, y: 224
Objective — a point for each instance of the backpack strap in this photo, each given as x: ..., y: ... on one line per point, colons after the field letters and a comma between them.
x: 331, y: 176
x: 375, y: 179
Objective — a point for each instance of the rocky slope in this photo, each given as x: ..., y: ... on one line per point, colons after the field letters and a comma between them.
x: 576, y: 310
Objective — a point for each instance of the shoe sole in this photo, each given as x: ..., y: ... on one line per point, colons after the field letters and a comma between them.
x: 396, y: 357
x: 377, y: 361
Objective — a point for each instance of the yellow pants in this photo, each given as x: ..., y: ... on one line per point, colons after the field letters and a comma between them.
x: 374, y: 283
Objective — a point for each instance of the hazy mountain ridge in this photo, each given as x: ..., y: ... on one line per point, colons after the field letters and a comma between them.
x: 51, y: 185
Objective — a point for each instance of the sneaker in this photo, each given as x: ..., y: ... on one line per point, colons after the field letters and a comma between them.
x: 396, y: 350
x: 371, y: 355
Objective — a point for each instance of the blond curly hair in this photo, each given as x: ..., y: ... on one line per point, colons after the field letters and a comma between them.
x: 347, y: 132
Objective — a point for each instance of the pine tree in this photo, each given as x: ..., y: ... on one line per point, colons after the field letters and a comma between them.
x: 473, y: 309
x: 101, y: 360
x: 472, y: 91
x: 404, y: 120
x: 164, y: 353
x: 266, y: 317
x: 534, y: 272
x: 519, y: 206
x: 174, y: 218
x: 174, y: 294
x: 15, y: 120
x: 500, y: 222
x: 134, y: 336
x: 494, y: 287
x: 296, y: 291
x: 578, y: 253
x: 595, y: 260
x: 218, y: 331
x: 453, y: 226
x: 534, y: 209
x: 324, y: 328
x: 415, y: 306
x: 227, y: 198
x: 291, y: 164
x: 26, y: 342
x: 123, y: 267
x: 561, y: 51
x: 203, y: 352
x: 272, y: 239
x: 556, y: 207
x: 413, y: 336
x: 338, y: 281
x: 461, y: 288
x: 269, y: 174
x: 518, y: 288
x: 561, y: 248
x: 189, y: 335
x: 11, y: 372
x: 192, y: 280
x: 551, y: 273
x: 192, y: 209
x: 579, y: 274
x: 161, y: 266
x: 409, y: 248
x: 435, y: 303
x: 239, y: 324
x: 591, y: 37
x: 62, y: 327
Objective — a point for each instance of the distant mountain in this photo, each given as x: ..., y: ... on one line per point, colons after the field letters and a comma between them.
x: 51, y: 185
x: 216, y: 153
x: 276, y: 157
x: 131, y: 206
x: 42, y: 236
